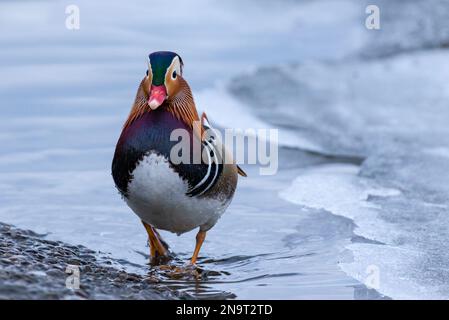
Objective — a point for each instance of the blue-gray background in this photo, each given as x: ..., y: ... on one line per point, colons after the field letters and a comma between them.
x: 363, y: 118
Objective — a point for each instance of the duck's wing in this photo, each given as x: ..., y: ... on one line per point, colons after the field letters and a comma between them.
x: 211, y: 168
x: 211, y: 133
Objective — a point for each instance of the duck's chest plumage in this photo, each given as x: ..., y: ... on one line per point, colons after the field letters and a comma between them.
x: 172, y: 197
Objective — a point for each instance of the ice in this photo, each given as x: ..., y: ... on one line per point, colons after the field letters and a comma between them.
x: 314, y: 72
x: 338, y: 189
x: 394, y: 113
x: 356, y: 107
x: 408, y: 259
x: 406, y: 26
x: 392, y: 110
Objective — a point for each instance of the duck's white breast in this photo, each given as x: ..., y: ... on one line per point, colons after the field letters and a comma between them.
x: 157, y: 194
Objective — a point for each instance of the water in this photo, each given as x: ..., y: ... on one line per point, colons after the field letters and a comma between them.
x: 385, y: 103
x: 362, y: 178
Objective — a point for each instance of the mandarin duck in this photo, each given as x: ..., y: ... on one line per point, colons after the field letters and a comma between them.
x: 166, y: 194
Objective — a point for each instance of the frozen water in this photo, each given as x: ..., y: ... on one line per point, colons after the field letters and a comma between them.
x: 392, y: 110
x: 356, y: 107
x: 408, y: 25
x: 309, y: 68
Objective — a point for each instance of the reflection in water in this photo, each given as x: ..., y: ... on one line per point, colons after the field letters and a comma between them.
x: 296, y: 262
x: 199, y: 281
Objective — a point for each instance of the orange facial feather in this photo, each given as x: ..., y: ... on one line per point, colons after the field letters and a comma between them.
x: 181, y: 105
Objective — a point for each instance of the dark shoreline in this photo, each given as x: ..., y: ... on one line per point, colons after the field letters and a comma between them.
x: 32, y: 267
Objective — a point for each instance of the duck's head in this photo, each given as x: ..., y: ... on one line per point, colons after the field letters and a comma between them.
x: 163, y: 81
x: 164, y: 86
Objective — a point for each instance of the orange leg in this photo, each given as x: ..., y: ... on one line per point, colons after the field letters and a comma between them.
x: 156, y: 246
x: 199, y: 242
x: 152, y: 248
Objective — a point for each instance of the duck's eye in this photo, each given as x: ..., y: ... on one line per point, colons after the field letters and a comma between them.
x: 174, y: 74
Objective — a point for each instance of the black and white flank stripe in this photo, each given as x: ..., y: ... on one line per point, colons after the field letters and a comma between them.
x: 214, y: 169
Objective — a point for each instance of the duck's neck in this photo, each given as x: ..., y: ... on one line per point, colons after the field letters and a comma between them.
x: 181, y: 105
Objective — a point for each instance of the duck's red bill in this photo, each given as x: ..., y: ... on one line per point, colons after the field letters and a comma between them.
x: 158, y: 94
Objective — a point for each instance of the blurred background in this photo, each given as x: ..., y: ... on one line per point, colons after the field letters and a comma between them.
x: 362, y: 189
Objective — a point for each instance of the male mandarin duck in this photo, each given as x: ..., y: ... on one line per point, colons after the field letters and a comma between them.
x: 166, y: 194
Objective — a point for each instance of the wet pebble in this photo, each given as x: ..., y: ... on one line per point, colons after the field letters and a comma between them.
x: 32, y: 267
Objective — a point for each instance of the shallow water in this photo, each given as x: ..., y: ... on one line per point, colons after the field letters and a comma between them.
x: 265, y: 247
x: 66, y: 94
x: 307, y: 232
